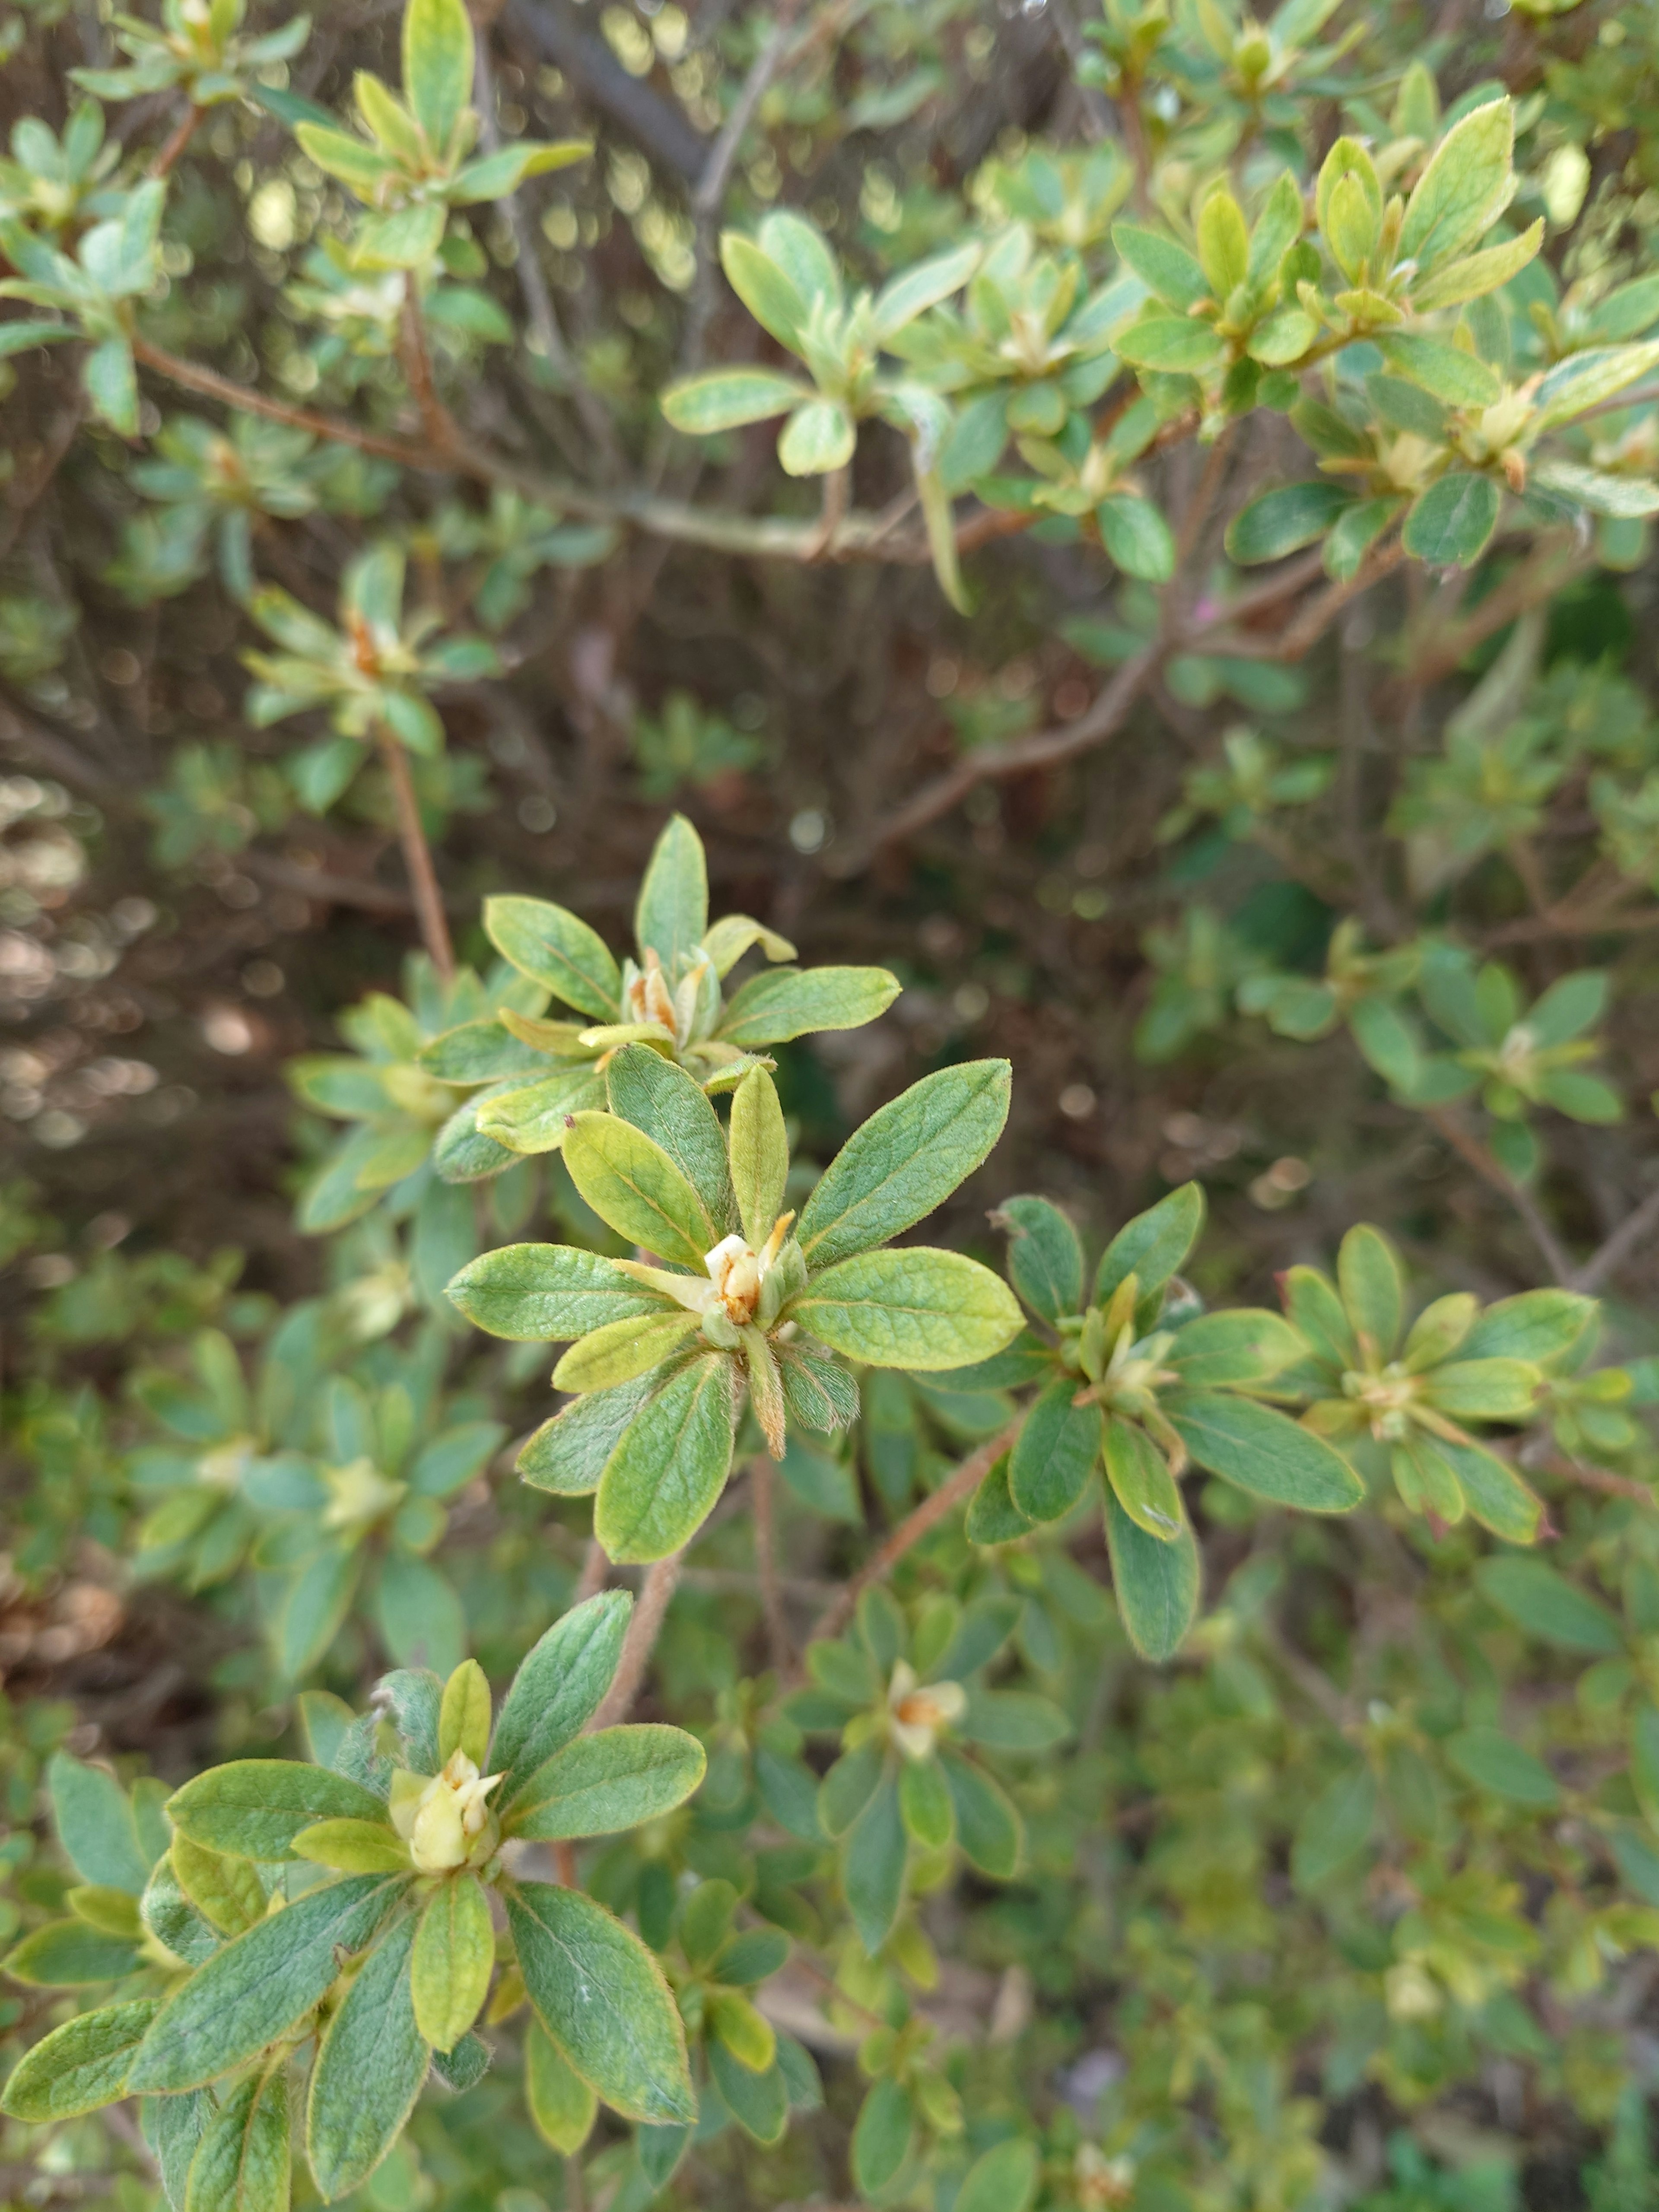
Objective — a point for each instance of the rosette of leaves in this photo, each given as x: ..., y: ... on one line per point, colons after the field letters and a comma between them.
x: 1359, y: 987
x: 1439, y: 433
x: 1066, y: 197
x: 382, y: 1857
x: 370, y: 673
x: 511, y: 540
x: 1411, y: 1399
x: 1200, y: 962
x: 741, y: 1296
x: 113, y: 1839
x: 787, y: 276
x: 362, y: 1517
x: 113, y: 263
x: 1251, y: 781
x: 197, y: 47
x: 1138, y: 1378
x: 913, y: 1717
x: 1518, y: 1057
x: 58, y: 185
x: 231, y: 1454
x: 669, y: 999
x: 1590, y: 1410
x: 1247, y: 74
x: 414, y: 1129
x: 1030, y: 346
x: 1229, y: 310
x: 684, y: 744
x: 221, y: 483
x: 413, y: 165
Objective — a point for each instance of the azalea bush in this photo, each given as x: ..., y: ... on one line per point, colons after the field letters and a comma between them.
x: 826, y: 853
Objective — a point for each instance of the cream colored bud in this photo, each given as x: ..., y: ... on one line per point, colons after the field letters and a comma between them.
x: 734, y: 1269
x: 440, y: 1822
x: 917, y: 1714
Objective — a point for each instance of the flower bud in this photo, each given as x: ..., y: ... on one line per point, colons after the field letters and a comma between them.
x: 441, y: 1821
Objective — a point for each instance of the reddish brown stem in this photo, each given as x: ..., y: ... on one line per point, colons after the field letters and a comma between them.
x: 418, y: 857
x: 650, y: 1610
x: 183, y: 131
x: 954, y: 1490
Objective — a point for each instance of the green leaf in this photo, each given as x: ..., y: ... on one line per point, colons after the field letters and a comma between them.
x: 1450, y: 525
x: 1336, y: 1828
x: 915, y: 1308
x: 242, y: 2158
x: 1014, y: 1721
x: 533, y: 1117
x: 1156, y: 1584
x: 80, y: 2066
x: 1493, y: 1492
x: 993, y: 1516
x: 560, y: 2102
x: 568, y: 1453
x: 782, y: 1003
x: 1282, y: 521
x: 1538, y: 1326
x: 759, y: 1148
x: 727, y: 397
x: 112, y: 385
x: 661, y: 1481
x: 1136, y: 537
x: 601, y: 1998
x: 1262, y: 1451
x: 69, y: 1955
x: 353, y: 1847
x: 672, y: 910
x: 1373, y: 1286
x: 930, y: 1817
x: 765, y: 289
x: 1544, y: 1604
x: 453, y: 1957
x: 872, y: 1866
x: 1141, y: 1481
x: 663, y: 1102
x: 636, y: 1189
x: 369, y: 2067
x: 1482, y: 1389
x: 437, y: 62
x: 906, y: 1160
x: 1045, y: 1259
x: 758, y: 2102
x: 558, y: 1689
x: 261, y: 1984
x: 1585, y: 379
x: 818, y: 437
x: 1244, y: 1345
x: 1224, y: 243
x: 1460, y: 379
x: 987, y: 1827
x: 881, y: 2137
x: 464, y: 1716
x: 557, y: 950
x: 1644, y: 1765
x: 1495, y: 1763
x: 254, y: 1807
x: 1152, y: 1245
x: 623, y: 1349
x: 617, y: 1778
x: 547, y: 1293
x: 1174, y: 345
x: 1053, y: 1452
x: 1167, y: 269
x: 1004, y: 2180
x: 94, y: 1825
x: 224, y: 1889
x: 1464, y: 187
x: 1475, y: 274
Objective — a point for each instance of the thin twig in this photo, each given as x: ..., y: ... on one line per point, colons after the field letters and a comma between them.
x: 415, y: 358
x: 25, y: 498
x: 1597, y: 1478
x: 183, y: 131
x: 1487, y: 1166
x: 1632, y: 1231
x: 644, y: 1627
x: 595, y: 1567
x: 417, y: 856
x: 954, y: 1490
x: 994, y: 763
x: 766, y: 1560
